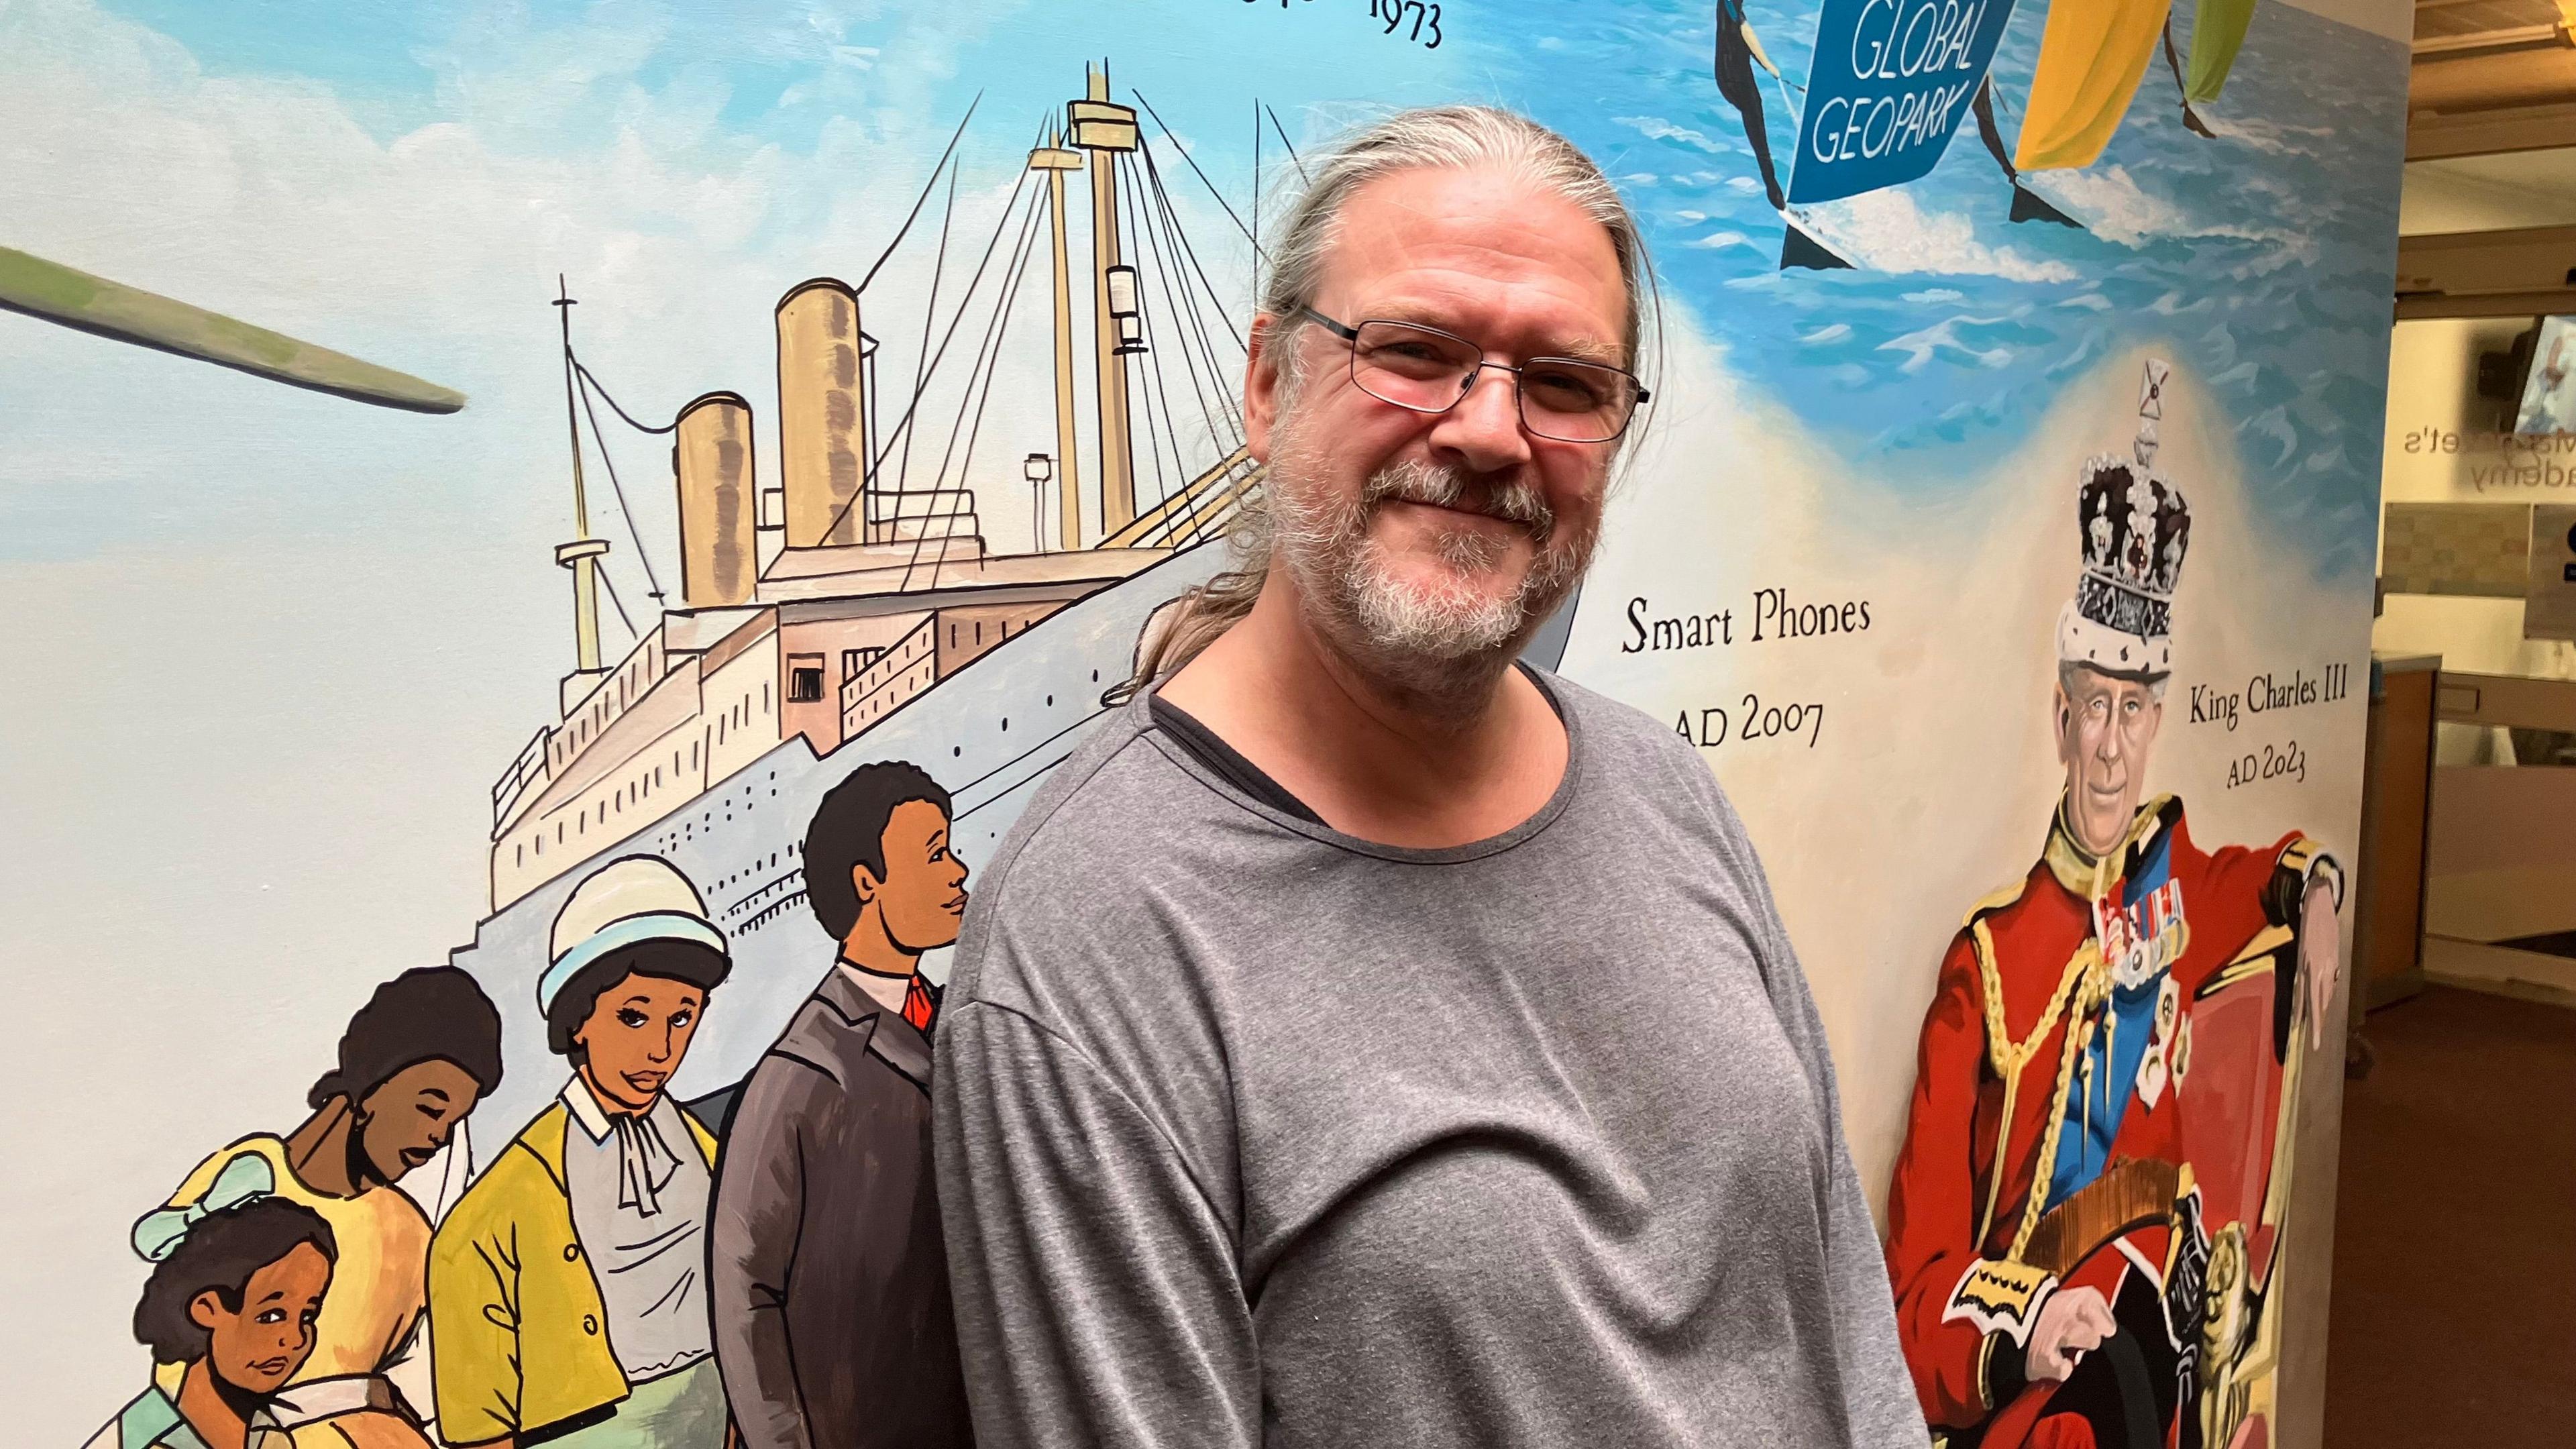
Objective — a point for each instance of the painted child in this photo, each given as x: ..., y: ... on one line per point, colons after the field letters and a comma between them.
x: 567, y: 1290
x: 412, y: 1063
x: 232, y: 1305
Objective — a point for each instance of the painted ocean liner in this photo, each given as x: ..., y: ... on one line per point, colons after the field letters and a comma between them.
x: 845, y: 617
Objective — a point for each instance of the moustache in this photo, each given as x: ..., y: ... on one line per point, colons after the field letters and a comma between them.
x: 1514, y: 501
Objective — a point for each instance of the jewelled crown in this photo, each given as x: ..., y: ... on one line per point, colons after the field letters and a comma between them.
x: 2135, y: 528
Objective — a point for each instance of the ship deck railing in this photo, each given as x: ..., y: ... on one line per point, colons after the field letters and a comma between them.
x: 529, y: 766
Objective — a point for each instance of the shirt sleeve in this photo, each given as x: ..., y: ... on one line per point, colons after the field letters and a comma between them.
x: 1878, y: 1397
x: 473, y: 1317
x: 1096, y: 1290
x: 758, y: 1219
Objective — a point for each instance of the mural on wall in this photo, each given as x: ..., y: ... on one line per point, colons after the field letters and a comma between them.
x: 2076, y: 1239
x: 867, y: 380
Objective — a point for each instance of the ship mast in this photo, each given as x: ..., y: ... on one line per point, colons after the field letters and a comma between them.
x: 1107, y: 130
x: 1055, y: 159
x: 583, y: 553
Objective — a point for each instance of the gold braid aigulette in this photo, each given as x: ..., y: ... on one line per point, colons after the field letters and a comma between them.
x: 2081, y: 987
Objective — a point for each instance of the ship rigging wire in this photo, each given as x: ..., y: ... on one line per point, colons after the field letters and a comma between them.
x: 929, y: 319
x: 987, y: 367
x: 605, y: 582
x: 919, y: 201
x: 1163, y: 197
x: 1154, y: 348
x: 1195, y: 330
x: 1194, y: 166
x: 1170, y: 250
x: 615, y: 488
x: 1292, y: 147
x: 1256, y: 207
x: 1153, y: 353
x: 604, y: 396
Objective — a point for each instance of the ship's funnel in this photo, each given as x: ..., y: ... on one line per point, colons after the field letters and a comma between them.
x: 712, y: 456
x: 822, y: 413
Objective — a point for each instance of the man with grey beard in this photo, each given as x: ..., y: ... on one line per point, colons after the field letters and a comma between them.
x: 1362, y: 1039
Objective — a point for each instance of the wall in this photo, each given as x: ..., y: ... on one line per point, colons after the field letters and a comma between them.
x: 2447, y: 445
x: 1856, y: 498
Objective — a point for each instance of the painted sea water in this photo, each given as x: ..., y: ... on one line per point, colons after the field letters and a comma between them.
x: 2258, y: 259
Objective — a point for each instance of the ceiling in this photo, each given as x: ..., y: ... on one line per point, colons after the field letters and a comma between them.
x: 2491, y: 76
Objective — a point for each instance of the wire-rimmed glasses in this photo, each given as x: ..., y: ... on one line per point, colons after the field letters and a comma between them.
x: 1427, y: 370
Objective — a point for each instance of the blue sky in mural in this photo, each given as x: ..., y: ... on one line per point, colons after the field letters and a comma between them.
x: 764, y: 73
x: 2257, y: 258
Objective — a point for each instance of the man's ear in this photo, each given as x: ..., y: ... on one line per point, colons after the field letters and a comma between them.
x: 1261, y: 380
x: 205, y: 1309
x: 865, y: 882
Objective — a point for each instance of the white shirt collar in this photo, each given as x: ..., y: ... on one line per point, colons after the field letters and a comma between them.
x: 885, y: 991
x: 585, y: 1108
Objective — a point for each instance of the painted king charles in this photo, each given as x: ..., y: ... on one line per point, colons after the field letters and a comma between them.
x: 2084, y: 1217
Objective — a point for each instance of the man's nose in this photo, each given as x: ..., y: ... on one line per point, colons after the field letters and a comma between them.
x: 1484, y: 429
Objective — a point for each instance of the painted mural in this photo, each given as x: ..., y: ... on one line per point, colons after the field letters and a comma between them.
x: 738, y: 449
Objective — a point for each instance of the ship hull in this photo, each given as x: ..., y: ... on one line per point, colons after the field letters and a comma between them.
x: 989, y: 733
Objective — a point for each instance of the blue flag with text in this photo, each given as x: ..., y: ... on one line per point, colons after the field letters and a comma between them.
x: 1891, y: 80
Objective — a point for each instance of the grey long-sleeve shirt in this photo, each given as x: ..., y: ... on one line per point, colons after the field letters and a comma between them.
x: 1249, y: 1132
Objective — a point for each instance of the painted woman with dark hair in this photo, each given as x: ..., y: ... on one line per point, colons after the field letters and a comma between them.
x: 413, y: 1061
x: 567, y: 1290
x: 232, y: 1310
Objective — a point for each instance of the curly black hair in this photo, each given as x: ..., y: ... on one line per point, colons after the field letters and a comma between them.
x: 429, y: 1013
x: 848, y: 830
x: 220, y: 1253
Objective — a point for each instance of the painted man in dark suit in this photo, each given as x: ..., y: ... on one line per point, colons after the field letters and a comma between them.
x: 832, y: 1319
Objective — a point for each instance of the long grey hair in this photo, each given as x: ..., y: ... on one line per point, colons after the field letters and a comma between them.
x: 1441, y: 137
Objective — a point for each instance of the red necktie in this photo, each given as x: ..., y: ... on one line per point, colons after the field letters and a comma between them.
x: 917, y: 1005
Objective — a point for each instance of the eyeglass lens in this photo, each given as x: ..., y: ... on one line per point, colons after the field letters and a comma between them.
x: 1427, y: 371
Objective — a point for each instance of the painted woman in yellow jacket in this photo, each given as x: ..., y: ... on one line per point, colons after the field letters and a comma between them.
x: 567, y: 1288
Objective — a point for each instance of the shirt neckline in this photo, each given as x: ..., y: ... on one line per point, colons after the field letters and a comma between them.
x: 870, y: 983
x: 1551, y: 688
x: 593, y: 1118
